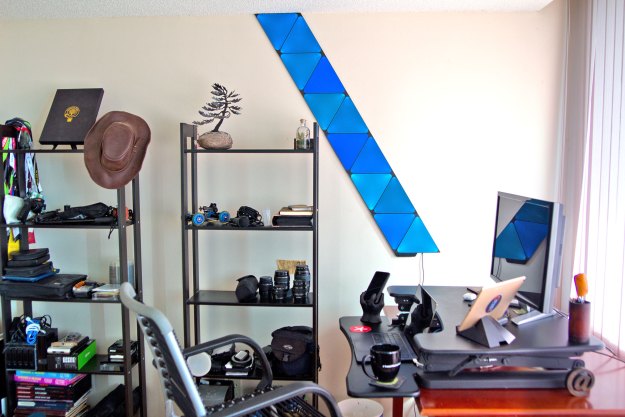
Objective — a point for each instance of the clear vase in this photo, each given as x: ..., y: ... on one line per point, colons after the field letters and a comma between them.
x: 302, y: 136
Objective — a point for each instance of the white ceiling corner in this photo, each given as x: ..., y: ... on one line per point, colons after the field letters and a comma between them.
x: 71, y: 9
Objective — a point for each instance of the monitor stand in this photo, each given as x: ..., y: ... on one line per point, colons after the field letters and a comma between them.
x: 530, y: 316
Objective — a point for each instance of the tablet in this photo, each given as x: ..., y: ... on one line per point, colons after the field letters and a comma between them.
x: 492, y: 301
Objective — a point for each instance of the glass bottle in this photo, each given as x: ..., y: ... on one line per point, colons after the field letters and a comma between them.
x: 302, y: 136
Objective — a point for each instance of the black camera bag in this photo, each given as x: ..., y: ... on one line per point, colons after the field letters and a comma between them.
x: 92, y: 213
x: 246, y: 289
x: 29, y: 254
x: 293, y: 350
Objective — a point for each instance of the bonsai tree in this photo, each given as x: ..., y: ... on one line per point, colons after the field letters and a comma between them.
x: 222, y: 106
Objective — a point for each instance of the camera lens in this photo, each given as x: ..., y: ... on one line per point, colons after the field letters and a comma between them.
x: 299, y: 290
x: 279, y: 292
x: 281, y: 276
x: 302, y: 273
x: 265, y: 287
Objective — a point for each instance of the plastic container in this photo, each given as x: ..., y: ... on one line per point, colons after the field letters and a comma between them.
x: 360, y: 407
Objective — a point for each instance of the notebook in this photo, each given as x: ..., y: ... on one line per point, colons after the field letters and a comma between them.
x: 493, y: 300
x: 71, y: 116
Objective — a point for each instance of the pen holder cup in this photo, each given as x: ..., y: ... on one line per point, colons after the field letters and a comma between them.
x: 579, y: 322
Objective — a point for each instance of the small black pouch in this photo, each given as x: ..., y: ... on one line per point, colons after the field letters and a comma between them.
x: 293, y: 350
x: 28, y: 262
x: 92, y: 213
x: 28, y: 271
x: 246, y: 288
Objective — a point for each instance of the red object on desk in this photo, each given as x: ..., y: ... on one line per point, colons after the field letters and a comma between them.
x: 606, y: 397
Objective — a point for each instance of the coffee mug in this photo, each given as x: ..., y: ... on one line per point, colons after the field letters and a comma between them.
x: 385, y: 362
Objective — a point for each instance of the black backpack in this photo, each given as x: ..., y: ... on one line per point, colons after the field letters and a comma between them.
x: 293, y: 350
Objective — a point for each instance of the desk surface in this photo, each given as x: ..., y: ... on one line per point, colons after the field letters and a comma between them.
x: 549, y: 335
x: 358, y: 384
x: 606, y: 397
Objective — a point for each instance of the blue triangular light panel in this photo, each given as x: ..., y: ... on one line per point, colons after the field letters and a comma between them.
x: 417, y: 240
x: 324, y: 79
x: 324, y: 106
x: 348, y: 120
x: 394, y: 199
x: 371, y: 160
x: 394, y: 226
x: 277, y: 26
x: 300, y: 66
x: 338, y: 117
x: 300, y: 40
x: 371, y: 187
x: 347, y: 146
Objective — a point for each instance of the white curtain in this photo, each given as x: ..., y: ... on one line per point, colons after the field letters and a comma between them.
x: 599, y: 224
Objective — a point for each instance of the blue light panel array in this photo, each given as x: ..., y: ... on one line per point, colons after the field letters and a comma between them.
x: 347, y: 132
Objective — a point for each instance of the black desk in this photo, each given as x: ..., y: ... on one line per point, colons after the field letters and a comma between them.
x: 543, y: 343
x: 549, y: 337
x: 358, y: 383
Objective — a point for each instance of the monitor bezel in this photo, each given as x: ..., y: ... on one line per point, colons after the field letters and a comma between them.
x: 550, y: 279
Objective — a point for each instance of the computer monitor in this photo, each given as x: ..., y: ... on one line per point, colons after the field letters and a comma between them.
x: 528, y: 242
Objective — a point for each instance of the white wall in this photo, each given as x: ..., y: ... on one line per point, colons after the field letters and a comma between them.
x: 462, y: 105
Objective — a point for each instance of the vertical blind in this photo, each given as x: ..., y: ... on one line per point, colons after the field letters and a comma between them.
x: 600, y: 240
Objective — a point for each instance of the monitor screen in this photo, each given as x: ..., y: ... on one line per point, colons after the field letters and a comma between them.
x: 528, y: 242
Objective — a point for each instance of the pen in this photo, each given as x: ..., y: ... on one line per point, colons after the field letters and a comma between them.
x: 581, y: 286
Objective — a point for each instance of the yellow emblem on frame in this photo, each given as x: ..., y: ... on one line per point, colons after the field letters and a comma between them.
x: 71, y: 112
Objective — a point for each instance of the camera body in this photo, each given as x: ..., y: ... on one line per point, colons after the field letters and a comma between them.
x: 34, y: 205
x: 255, y: 218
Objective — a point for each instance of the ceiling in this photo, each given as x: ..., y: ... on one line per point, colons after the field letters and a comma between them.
x: 54, y: 9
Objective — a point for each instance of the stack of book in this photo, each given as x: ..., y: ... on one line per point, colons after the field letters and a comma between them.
x: 51, y: 393
x: 294, y: 215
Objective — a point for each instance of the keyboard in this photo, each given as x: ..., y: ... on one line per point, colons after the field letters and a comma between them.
x: 406, y: 352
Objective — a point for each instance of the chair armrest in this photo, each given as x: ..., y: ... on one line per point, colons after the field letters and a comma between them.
x: 251, y: 403
x: 267, y: 377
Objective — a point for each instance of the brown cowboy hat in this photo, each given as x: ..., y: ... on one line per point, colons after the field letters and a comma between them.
x: 115, y: 147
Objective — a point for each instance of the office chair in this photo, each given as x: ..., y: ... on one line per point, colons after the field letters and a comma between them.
x: 179, y: 386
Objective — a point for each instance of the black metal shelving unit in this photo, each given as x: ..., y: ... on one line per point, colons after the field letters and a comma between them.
x: 193, y: 296
x: 122, y: 224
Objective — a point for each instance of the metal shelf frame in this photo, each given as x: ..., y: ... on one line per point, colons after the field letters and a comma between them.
x: 91, y: 368
x: 193, y: 296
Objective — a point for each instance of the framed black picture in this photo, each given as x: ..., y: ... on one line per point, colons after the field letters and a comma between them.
x: 72, y: 114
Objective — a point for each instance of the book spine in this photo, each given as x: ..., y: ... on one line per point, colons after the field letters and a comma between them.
x: 53, y: 405
x: 58, y: 375
x: 43, y: 380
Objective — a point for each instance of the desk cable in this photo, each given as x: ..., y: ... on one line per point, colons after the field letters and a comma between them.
x: 417, y: 363
x: 611, y: 356
x: 422, y: 267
